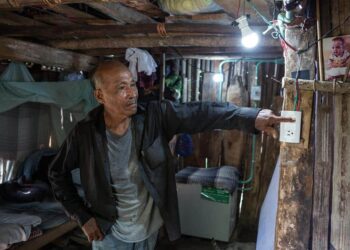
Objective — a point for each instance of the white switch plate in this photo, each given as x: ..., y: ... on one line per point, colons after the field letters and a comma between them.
x: 290, y: 131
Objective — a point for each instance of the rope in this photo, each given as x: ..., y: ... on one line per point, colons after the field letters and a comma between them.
x: 161, y: 30
x: 51, y: 3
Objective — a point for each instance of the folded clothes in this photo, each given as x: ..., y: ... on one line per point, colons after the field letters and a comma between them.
x: 225, y: 177
x: 51, y: 213
x: 16, y: 227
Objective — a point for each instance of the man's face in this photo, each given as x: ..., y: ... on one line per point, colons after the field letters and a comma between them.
x: 338, y: 48
x: 118, y: 92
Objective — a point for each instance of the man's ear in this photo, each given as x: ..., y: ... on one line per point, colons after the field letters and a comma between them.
x: 99, y: 95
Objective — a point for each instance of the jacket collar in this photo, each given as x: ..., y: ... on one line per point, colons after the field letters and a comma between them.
x: 96, y: 116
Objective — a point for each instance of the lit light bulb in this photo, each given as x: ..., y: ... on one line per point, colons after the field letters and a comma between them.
x: 251, y: 40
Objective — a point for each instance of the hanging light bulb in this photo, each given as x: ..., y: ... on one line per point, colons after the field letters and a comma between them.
x: 249, y: 38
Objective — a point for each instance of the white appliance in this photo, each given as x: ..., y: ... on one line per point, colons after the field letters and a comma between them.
x: 204, y: 218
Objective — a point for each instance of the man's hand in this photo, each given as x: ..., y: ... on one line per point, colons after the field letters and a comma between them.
x: 92, y: 231
x: 266, y: 119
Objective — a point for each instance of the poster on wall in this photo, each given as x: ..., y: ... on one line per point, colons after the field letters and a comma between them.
x: 336, y: 56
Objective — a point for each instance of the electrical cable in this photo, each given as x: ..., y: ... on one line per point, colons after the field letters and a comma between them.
x: 299, y: 51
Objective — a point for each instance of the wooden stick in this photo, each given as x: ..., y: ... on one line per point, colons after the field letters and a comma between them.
x: 337, y: 87
x: 319, y: 43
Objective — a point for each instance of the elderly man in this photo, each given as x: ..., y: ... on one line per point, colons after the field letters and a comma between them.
x: 126, y: 168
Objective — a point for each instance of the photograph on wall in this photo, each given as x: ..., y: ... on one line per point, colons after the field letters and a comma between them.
x: 336, y: 56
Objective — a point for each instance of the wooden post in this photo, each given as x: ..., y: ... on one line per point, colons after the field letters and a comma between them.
x: 322, y: 171
x: 295, y: 188
x: 340, y: 218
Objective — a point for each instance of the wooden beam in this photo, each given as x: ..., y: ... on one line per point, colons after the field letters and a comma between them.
x: 71, y: 12
x: 198, y: 51
x: 340, y: 216
x: 11, y: 18
x: 337, y: 87
x: 150, y: 42
x: 30, y: 52
x: 324, y: 139
x: 53, y: 19
x: 293, y: 225
x: 121, y: 13
x: 212, y: 18
x: 144, y: 6
x: 116, y: 30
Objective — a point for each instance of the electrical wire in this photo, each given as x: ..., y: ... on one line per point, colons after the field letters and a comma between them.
x: 297, y: 98
x: 299, y: 51
x: 238, y: 9
x: 325, y: 35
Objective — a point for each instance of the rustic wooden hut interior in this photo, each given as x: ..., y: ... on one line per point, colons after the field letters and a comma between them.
x: 290, y: 192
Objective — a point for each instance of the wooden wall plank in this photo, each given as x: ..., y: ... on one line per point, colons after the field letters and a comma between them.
x: 340, y: 218
x: 322, y: 171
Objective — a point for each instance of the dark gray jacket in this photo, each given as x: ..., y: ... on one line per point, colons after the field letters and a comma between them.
x: 154, y: 125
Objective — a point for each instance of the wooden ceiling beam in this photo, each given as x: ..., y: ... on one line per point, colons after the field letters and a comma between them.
x: 149, y: 42
x: 211, y: 18
x: 71, y: 12
x: 144, y: 6
x: 272, y: 51
x: 10, y: 18
x: 30, y: 52
x: 121, y: 13
x: 53, y: 19
x: 79, y: 31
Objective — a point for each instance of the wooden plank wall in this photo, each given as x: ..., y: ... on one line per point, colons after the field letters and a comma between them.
x: 319, y: 191
x: 340, y: 212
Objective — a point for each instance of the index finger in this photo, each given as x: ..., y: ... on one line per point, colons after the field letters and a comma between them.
x: 279, y: 119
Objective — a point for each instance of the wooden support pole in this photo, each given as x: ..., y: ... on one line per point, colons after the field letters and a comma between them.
x: 337, y: 87
x: 30, y: 52
x: 322, y: 170
x: 149, y: 42
x: 296, y: 182
x: 340, y: 217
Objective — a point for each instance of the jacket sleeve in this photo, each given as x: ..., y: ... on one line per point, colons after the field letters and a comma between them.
x: 61, y: 180
x: 195, y: 117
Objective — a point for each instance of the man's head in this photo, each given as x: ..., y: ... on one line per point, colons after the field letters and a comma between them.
x: 115, y: 88
x: 338, y: 46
